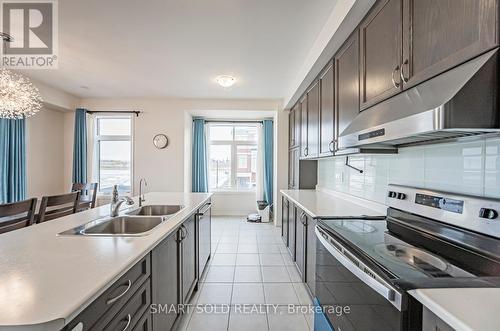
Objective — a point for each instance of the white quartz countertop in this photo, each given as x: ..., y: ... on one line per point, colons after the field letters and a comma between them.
x: 323, y: 204
x: 46, y: 280
x: 464, y: 309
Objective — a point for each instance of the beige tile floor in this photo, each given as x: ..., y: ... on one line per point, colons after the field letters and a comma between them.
x: 249, y: 268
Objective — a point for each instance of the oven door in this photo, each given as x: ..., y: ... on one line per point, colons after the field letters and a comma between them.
x: 352, y: 297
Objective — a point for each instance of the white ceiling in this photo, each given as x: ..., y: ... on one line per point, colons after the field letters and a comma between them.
x: 175, y: 48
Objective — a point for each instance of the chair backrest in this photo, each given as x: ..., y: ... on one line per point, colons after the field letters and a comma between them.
x: 88, y: 192
x: 17, y: 215
x: 56, y: 206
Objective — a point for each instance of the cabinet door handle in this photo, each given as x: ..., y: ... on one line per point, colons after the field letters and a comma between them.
x: 403, y: 77
x: 182, y: 233
x: 306, y: 151
x: 206, y: 207
x: 396, y: 84
x: 330, y: 146
x: 113, y: 300
x: 129, y: 319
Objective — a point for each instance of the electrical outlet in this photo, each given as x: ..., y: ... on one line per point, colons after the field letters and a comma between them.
x: 340, y: 176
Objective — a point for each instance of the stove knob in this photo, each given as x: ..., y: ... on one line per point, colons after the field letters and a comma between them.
x: 401, y: 196
x: 490, y: 214
x: 392, y: 194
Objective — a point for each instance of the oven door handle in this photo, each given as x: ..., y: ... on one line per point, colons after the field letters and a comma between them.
x: 390, y: 294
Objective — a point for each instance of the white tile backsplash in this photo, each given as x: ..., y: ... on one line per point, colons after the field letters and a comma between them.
x: 465, y: 167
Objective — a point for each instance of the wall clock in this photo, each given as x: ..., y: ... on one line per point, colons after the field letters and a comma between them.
x: 160, y: 141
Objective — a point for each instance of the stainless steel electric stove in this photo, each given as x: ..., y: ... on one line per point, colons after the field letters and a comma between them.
x: 428, y: 239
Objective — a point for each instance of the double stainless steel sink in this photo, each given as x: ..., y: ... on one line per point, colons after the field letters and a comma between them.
x: 137, y: 222
x: 156, y: 210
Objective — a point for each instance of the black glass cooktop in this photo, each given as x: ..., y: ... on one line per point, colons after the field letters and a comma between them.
x: 403, y: 260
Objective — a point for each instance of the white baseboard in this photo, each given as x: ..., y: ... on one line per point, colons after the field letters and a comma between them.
x: 231, y: 213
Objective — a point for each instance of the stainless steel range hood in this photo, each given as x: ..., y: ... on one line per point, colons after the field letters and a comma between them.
x: 458, y: 103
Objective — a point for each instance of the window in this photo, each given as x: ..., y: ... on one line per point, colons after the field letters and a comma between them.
x: 113, y: 153
x: 232, y: 157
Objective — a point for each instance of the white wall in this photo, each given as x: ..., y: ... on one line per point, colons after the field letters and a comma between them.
x: 467, y: 167
x: 55, y: 98
x: 45, y: 153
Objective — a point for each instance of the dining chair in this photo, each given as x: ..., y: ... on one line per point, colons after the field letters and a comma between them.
x: 88, y: 195
x: 56, y: 206
x: 17, y: 215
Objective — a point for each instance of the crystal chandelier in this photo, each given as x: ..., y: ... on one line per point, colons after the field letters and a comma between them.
x: 19, y: 98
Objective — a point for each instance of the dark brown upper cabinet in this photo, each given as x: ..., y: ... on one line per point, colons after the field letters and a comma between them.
x: 293, y: 168
x: 381, y: 52
x: 294, y: 129
x: 297, y: 116
x: 327, y: 112
x: 440, y: 34
x: 303, y: 126
x: 312, y: 148
x: 347, y: 83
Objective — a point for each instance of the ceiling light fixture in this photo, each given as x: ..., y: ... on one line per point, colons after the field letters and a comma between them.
x: 19, y: 98
x: 225, y: 80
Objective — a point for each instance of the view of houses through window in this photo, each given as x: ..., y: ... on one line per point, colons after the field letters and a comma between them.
x: 232, y: 155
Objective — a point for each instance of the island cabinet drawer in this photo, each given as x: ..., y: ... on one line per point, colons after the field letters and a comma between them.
x: 131, y: 313
x: 106, y: 306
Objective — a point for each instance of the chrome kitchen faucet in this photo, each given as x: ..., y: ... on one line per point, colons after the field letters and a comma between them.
x: 116, y: 202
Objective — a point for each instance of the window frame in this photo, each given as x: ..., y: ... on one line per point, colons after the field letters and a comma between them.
x: 97, y: 138
x: 234, y: 153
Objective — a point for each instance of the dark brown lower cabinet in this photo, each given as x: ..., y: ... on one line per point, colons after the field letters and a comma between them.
x: 302, y: 242
x: 107, y: 307
x: 284, y: 220
x: 132, y: 312
x: 291, y: 229
x: 203, y: 233
x: 174, y: 274
x: 188, y: 259
x: 311, y: 255
x: 300, y: 249
x: 165, y: 277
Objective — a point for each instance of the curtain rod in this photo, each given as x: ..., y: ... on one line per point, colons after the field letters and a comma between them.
x: 233, y: 122
x: 136, y: 112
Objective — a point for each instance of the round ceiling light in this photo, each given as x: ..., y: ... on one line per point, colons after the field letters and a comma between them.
x: 225, y: 80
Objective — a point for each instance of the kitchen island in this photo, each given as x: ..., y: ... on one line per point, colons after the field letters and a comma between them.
x: 46, y: 280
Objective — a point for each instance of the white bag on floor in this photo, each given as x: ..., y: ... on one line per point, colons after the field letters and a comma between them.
x: 264, y: 214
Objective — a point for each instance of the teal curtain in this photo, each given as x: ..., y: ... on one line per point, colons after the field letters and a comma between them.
x: 268, y: 161
x: 199, y: 163
x: 80, y: 147
x: 12, y: 160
